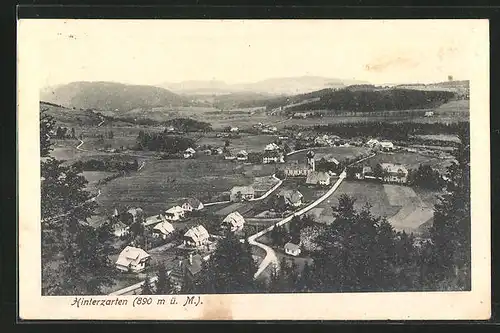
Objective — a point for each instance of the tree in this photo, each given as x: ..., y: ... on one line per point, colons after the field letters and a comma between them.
x: 164, y: 285
x: 147, y: 288
x: 357, y: 252
x: 448, y: 259
x: 110, y: 135
x: 230, y: 269
x: 295, y: 227
x: 74, y: 257
x: 73, y: 134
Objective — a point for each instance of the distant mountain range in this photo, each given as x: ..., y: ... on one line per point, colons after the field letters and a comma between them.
x: 110, y: 96
x: 274, y: 86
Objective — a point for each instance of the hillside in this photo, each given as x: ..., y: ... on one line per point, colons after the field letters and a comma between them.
x: 70, y: 117
x: 110, y: 96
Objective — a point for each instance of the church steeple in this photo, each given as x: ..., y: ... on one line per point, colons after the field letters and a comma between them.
x: 310, y: 160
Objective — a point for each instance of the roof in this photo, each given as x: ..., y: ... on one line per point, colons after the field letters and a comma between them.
x: 193, y: 202
x: 119, y: 225
x: 243, y: 189
x: 197, y: 233
x: 330, y: 158
x: 131, y: 255
x: 271, y: 153
x: 317, y: 176
x: 294, y: 164
x: 135, y: 211
x: 153, y: 219
x: 175, y: 209
x: 291, y: 196
x: 272, y: 146
x: 190, y: 150
x: 386, y: 144
x: 310, y: 153
x: 194, y: 267
x: 164, y: 227
x: 292, y: 247
x: 234, y: 218
x: 367, y: 169
x: 242, y: 152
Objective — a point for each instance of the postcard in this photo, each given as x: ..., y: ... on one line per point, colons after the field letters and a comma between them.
x: 253, y: 169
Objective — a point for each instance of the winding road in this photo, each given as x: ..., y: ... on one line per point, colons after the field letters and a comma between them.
x: 270, y: 255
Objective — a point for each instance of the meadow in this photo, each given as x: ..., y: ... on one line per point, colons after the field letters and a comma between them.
x: 410, y: 160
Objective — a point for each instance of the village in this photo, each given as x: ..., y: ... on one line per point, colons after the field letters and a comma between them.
x: 183, y: 236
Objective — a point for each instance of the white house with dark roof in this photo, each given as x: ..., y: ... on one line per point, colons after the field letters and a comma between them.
x: 196, y: 236
x: 242, y: 155
x: 163, y: 229
x: 191, y: 204
x: 132, y: 259
x: 189, y: 153
x: 394, y: 173
x: 233, y: 222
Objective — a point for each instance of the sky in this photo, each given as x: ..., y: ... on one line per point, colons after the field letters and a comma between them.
x: 237, y: 51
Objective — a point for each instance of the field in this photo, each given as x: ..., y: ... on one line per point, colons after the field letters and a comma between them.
x: 404, y: 207
x: 340, y: 153
x: 410, y: 160
x: 162, y: 183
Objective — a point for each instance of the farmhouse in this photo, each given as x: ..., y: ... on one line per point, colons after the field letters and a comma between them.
x: 196, y: 236
x: 372, y: 143
x: 155, y: 219
x: 234, y: 129
x: 120, y: 229
x: 272, y: 156
x: 241, y: 193
x: 174, y: 214
x: 217, y: 151
x: 187, y: 270
x: 296, y: 169
x: 192, y: 204
x: 429, y: 114
x: 318, y: 178
x: 163, y: 229
x: 137, y: 214
x: 364, y: 172
x: 132, y: 259
x: 291, y: 197
x: 233, y: 222
x: 189, y: 153
x: 229, y: 157
x: 242, y: 155
x: 292, y: 249
x: 386, y: 145
x: 394, y: 173
x: 272, y: 146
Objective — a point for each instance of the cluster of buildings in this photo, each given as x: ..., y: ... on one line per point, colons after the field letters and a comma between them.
x: 380, y: 145
x: 391, y: 173
x: 265, y: 128
x: 295, y: 168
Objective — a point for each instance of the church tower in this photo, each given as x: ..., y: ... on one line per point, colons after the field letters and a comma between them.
x: 310, y: 160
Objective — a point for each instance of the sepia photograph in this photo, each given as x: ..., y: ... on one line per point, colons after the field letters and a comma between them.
x: 268, y: 161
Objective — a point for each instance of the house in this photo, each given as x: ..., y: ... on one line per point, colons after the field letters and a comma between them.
x: 170, y: 129
x: 386, y: 145
x: 394, y: 173
x: 163, y: 229
x: 189, y: 153
x: 429, y: 114
x: 271, y: 146
x: 291, y: 197
x: 318, y: 178
x: 272, y: 156
x: 137, y: 214
x: 302, y: 115
x: 155, y: 219
x: 241, y: 193
x: 234, y: 129
x: 330, y: 159
x: 196, y: 236
x: 186, y: 270
x: 364, y: 172
x: 372, y: 143
x: 217, y: 151
x: 292, y: 249
x: 132, y: 259
x: 229, y: 157
x: 120, y: 229
x: 174, y: 214
x: 242, y: 155
x: 323, y: 140
x: 192, y: 204
x: 233, y: 222
x: 207, y: 152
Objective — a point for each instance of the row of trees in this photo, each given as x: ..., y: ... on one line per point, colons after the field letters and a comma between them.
x: 109, y: 164
x: 188, y: 125
x: 74, y: 254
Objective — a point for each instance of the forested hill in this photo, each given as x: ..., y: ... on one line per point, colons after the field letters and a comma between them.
x: 110, y: 96
x: 362, y: 99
